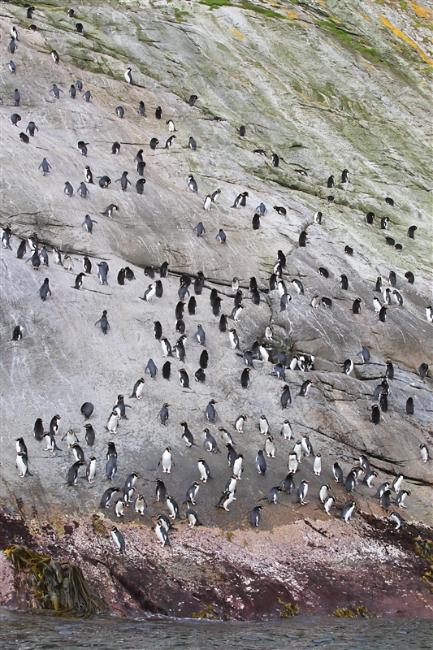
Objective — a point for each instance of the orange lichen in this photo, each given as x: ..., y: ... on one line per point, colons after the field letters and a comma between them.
x: 406, y: 39
x: 422, y: 12
x: 292, y: 15
x: 237, y: 33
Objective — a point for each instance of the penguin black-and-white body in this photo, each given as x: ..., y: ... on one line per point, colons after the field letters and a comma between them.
x: 338, y: 473
x: 317, y: 464
x: 191, y: 493
x: 347, y: 511
x: 166, y: 460
x: 323, y: 493
x: 328, y: 503
x: 226, y: 500
x: 72, y: 474
x: 118, y: 539
x: 128, y: 76
x: 107, y: 496
x: 204, y: 470
x: 261, y: 462
x: 401, y: 498
x: 302, y: 492
x: 140, y: 505
x: 91, y: 469
x: 238, y: 467
x: 173, y: 507
x: 138, y: 389
x: 255, y: 516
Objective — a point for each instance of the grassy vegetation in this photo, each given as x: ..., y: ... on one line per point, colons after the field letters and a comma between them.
x: 243, y: 4
x: 351, y: 41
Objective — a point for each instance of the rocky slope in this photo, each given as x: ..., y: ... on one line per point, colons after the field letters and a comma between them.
x: 327, y: 86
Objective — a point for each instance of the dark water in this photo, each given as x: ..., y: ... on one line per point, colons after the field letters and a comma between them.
x: 36, y: 632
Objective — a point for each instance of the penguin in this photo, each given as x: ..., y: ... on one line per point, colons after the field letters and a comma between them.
x: 88, y: 223
x: 166, y: 347
x: 255, y: 516
x: 164, y: 414
x: 410, y: 409
x: 239, y: 423
x: 401, y: 498
x: 238, y: 467
x: 87, y: 409
x: 118, y: 540
x: 107, y: 496
x: 82, y: 190
x: 348, y: 366
x: 338, y: 473
x: 17, y: 333
x: 396, y: 484
x: 330, y: 182
x: 303, y: 392
x: 140, y: 505
x: 191, y: 183
x: 317, y: 464
x: 345, y: 176
x: 240, y: 200
x: 302, y: 493
x: 328, y: 503
x: 375, y: 414
x: 191, y: 493
x: 245, y: 378
x: 423, y: 370
x: 350, y: 481
x: 273, y: 495
x: 411, y: 232
x: 22, y: 249
x: 204, y: 470
x: 103, y: 321
x: 210, y: 411
x: 385, y: 499
x: 347, y: 511
x: 275, y: 159
x: 54, y: 55
x: 128, y: 76
x: 167, y: 461
x: 200, y: 335
x: 192, y: 144
x: 424, y: 452
x: 397, y: 520
x: 369, y: 478
x: 120, y: 112
x: 409, y: 277
x: 288, y: 483
x: 113, y: 422
x: 324, y: 493
x: 158, y: 112
x: 187, y: 436
x: 269, y: 447
x: 119, y: 508
x: 172, y: 506
x: 72, y: 474
x: 138, y: 389
x: 428, y: 312
x: 192, y: 517
x: 221, y: 236
x: 209, y: 443
x: 151, y: 369
x: 166, y: 370
x: 263, y: 425
x: 160, y: 491
x: 260, y: 462
x: 91, y: 470
x: 286, y: 430
x: 285, y: 398
x: 356, y: 306
x: 45, y: 290
x: 226, y: 500
x: 183, y: 378
x: 38, y: 430
x: 89, y: 436
x: 161, y: 534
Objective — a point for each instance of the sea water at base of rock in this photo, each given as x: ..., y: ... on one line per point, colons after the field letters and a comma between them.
x: 37, y: 632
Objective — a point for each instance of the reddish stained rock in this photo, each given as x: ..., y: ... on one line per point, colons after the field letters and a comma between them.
x: 244, y: 574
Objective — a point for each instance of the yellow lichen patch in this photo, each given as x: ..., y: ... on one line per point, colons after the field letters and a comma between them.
x: 406, y: 39
x: 237, y: 33
x: 422, y: 12
x: 292, y: 15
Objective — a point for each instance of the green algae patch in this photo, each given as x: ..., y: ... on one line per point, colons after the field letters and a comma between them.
x: 357, y: 611
x: 287, y: 608
x: 56, y: 586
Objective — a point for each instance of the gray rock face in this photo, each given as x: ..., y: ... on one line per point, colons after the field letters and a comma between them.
x: 326, y: 87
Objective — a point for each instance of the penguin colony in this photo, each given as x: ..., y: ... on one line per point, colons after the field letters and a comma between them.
x: 123, y: 493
